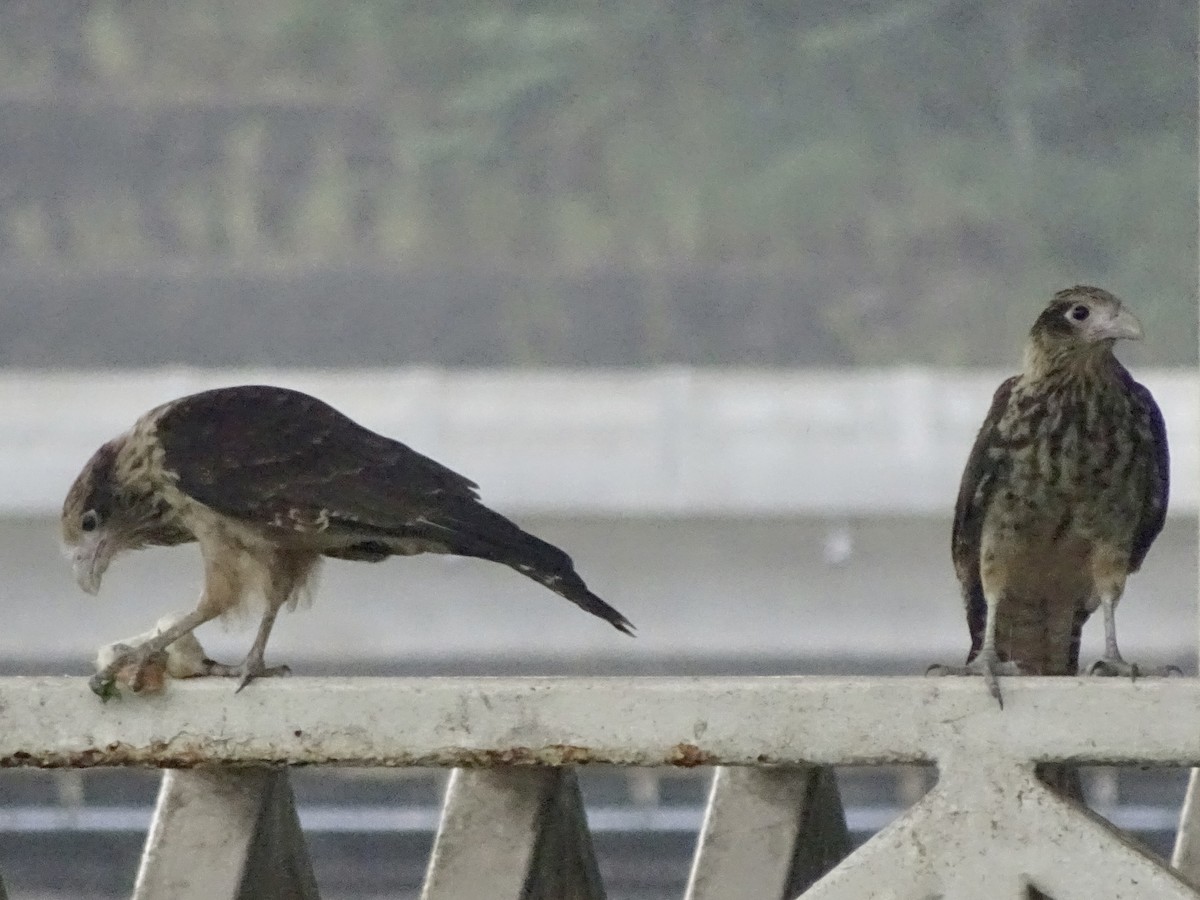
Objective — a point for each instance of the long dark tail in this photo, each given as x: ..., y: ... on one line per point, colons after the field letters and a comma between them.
x: 474, y: 530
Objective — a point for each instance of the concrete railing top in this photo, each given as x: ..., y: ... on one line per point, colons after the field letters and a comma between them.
x: 650, y: 721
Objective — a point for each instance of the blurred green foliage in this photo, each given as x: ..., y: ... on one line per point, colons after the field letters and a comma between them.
x: 924, y: 172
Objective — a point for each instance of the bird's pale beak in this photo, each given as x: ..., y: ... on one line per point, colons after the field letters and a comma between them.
x: 1123, y: 326
x: 89, y: 560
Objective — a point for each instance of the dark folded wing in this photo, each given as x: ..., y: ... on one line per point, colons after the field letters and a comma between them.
x: 1154, y: 504
x: 975, y: 491
x: 280, y: 458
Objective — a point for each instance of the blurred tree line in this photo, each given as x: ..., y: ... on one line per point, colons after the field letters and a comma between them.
x: 629, y: 182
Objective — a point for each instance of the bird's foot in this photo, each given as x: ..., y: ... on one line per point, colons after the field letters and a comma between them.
x: 140, y: 668
x: 247, y: 670
x: 1117, y: 667
x: 987, y: 664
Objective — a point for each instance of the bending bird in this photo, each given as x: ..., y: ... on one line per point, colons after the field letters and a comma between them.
x: 1063, y: 493
x: 268, y: 481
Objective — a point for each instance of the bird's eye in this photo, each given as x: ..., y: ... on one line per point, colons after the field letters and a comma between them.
x: 90, y: 520
x: 1079, y: 313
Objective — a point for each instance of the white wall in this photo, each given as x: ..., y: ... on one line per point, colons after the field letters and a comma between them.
x: 665, y: 441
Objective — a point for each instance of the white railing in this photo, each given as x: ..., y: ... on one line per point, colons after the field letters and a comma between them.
x: 514, y: 826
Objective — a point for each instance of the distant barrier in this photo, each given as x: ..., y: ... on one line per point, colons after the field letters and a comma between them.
x: 514, y: 826
x: 580, y: 442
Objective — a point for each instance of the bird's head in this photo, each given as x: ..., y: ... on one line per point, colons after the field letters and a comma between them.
x: 96, y: 525
x: 1086, y: 316
x: 1080, y: 323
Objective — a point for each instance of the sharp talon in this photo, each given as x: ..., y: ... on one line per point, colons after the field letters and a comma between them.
x: 986, y: 664
x: 1116, y: 667
x: 250, y: 671
x: 993, y: 686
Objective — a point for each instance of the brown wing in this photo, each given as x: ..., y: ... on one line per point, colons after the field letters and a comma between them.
x: 1154, y: 505
x: 284, y: 460
x: 975, y: 491
x: 280, y: 458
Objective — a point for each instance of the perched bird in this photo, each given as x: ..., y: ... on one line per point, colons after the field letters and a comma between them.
x: 1064, y: 492
x: 268, y: 481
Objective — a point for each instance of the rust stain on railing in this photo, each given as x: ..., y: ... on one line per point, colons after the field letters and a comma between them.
x: 191, y: 754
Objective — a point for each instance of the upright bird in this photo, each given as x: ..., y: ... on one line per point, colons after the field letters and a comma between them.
x: 1064, y: 492
x: 268, y: 481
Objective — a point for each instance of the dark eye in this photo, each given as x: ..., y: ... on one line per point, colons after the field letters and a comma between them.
x: 89, y: 521
x: 1079, y: 313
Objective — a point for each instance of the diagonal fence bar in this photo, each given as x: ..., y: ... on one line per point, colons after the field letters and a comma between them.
x: 225, y: 835
x: 1186, y: 857
x: 991, y: 830
x: 513, y: 834
x: 768, y: 833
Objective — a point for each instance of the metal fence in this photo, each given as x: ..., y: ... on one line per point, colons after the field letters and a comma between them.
x: 514, y: 826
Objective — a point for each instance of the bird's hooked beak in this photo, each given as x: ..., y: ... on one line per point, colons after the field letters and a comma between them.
x: 1124, y: 325
x: 90, y: 559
